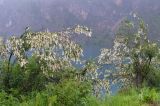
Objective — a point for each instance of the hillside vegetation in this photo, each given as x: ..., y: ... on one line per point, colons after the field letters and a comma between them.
x: 38, y: 69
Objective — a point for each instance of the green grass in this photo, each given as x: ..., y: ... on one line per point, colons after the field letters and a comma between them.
x: 132, y: 97
x: 143, y: 97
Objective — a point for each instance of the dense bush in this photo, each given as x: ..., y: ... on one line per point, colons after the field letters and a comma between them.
x: 23, y: 80
x: 67, y: 93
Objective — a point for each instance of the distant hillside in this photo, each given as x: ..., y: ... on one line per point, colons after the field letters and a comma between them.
x: 101, y: 15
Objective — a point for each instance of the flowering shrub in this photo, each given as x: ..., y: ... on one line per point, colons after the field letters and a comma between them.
x: 32, y: 58
x: 133, y: 56
x: 56, y: 50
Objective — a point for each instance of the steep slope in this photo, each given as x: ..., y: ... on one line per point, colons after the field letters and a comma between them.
x: 102, y: 16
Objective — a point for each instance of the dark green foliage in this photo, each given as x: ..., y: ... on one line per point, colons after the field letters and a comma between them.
x: 71, y: 93
x: 23, y: 80
x: 8, y: 100
x: 66, y: 93
x: 148, y: 95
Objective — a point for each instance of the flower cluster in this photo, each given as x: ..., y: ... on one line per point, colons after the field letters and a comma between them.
x: 3, y: 50
x: 53, y: 49
x: 115, y: 55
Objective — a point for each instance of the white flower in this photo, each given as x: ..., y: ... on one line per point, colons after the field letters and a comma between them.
x: 23, y: 62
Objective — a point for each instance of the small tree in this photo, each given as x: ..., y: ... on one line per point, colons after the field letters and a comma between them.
x: 51, y: 51
x: 134, y: 57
